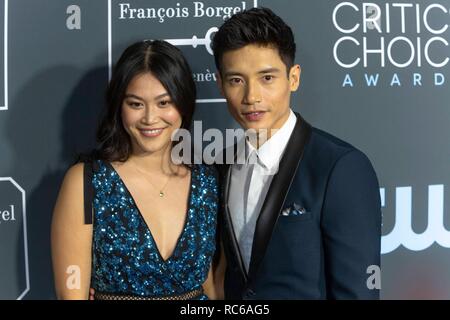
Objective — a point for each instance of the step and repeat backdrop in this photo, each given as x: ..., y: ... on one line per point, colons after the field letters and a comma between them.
x: 376, y: 74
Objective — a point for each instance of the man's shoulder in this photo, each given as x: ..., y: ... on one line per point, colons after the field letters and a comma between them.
x: 328, y: 142
x: 323, y: 144
x: 325, y: 149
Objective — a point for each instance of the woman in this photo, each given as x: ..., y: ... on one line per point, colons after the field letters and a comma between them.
x: 154, y: 222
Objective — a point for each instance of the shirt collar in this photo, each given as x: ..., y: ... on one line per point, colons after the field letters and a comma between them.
x: 270, y: 153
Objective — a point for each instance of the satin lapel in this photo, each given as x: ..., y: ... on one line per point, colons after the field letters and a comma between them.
x: 229, y: 223
x: 277, y: 193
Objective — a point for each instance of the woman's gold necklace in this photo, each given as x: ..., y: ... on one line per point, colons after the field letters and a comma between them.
x: 161, y: 190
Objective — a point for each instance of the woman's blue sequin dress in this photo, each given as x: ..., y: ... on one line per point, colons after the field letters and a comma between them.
x: 125, y: 257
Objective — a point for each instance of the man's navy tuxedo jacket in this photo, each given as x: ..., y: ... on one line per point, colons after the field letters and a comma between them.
x: 323, y: 253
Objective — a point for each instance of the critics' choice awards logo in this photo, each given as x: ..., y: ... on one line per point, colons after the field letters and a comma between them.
x: 396, y: 36
x: 201, y: 18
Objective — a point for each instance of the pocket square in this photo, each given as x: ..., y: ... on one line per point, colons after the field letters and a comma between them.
x: 293, y: 210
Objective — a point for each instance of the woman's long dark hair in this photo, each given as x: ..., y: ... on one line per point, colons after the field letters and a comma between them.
x: 168, y: 65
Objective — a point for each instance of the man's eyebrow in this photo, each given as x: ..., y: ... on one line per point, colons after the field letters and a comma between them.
x: 269, y: 70
x: 232, y: 73
x: 263, y: 71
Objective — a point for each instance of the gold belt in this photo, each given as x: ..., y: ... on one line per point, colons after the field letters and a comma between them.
x: 112, y: 296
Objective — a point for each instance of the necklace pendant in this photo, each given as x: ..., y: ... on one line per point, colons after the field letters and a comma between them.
x: 161, y: 194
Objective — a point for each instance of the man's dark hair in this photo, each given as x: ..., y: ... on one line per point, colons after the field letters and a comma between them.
x: 255, y: 26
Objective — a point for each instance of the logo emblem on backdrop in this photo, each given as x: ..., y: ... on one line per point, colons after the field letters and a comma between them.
x: 403, y: 233
x: 14, y: 277
x: 4, y: 56
x: 190, y: 25
x: 391, y: 44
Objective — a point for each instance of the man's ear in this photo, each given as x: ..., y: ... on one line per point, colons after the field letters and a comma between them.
x: 294, y: 77
x: 220, y: 83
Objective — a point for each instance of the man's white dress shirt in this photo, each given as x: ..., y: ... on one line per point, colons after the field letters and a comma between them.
x: 250, y: 182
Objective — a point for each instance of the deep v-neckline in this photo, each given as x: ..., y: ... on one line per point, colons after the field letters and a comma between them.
x: 141, y: 216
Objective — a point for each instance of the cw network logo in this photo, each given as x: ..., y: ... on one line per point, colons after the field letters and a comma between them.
x: 403, y: 234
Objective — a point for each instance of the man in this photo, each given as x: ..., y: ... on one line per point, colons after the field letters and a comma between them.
x: 303, y: 220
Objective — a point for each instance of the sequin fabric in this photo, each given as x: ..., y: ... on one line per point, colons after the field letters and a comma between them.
x: 126, y: 259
